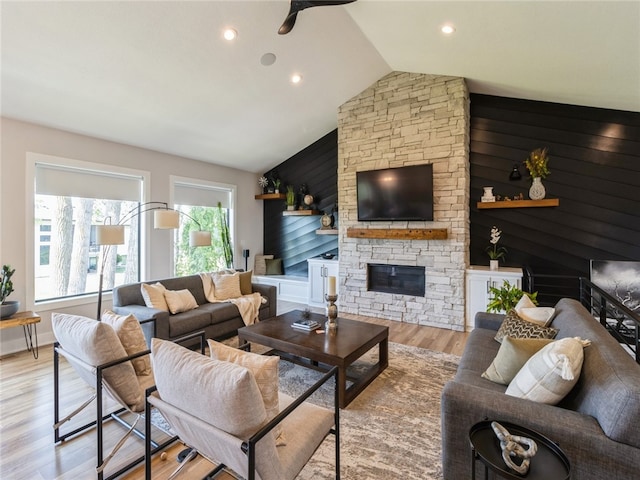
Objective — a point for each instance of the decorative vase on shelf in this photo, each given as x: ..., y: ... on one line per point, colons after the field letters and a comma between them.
x: 488, y: 195
x: 494, y: 264
x: 537, y: 190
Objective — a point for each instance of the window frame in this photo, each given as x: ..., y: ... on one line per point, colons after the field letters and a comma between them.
x: 33, y: 159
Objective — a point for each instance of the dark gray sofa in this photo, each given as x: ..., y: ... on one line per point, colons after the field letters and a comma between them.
x: 596, y: 425
x: 217, y: 320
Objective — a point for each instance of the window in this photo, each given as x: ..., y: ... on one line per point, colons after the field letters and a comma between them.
x: 71, y: 198
x: 210, y: 206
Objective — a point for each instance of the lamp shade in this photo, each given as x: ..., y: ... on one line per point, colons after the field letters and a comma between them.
x: 199, y: 238
x: 166, y: 219
x: 110, y: 234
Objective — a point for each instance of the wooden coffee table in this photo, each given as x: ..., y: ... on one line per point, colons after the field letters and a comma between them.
x: 341, y: 348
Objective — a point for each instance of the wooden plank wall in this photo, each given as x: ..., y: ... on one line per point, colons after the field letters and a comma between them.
x: 293, y: 238
x: 595, y: 172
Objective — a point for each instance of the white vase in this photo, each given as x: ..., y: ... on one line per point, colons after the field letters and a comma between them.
x: 488, y: 195
x: 537, y: 190
x: 494, y: 264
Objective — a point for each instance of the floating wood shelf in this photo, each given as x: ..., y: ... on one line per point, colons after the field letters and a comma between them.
x: 294, y: 213
x: 547, y: 202
x: 271, y: 196
x: 399, y: 233
x: 327, y: 231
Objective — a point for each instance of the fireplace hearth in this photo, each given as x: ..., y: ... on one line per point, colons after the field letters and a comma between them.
x: 398, y: 279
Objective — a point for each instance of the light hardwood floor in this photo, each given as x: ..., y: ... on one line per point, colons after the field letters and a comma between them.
x: 27, y: 449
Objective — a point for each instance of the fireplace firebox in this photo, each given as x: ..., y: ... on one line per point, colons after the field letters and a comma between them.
x: 399, y: 279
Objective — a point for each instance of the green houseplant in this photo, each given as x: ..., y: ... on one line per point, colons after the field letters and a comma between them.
x: 6, y: 287
x: 291, y: 198
x: 507, y: 297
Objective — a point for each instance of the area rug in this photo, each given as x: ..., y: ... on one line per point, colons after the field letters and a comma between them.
x: 392, y: 429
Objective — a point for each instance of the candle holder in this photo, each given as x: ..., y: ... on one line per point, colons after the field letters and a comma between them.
x: 332, y: 312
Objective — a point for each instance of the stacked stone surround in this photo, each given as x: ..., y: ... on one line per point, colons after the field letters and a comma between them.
x: 407, y: 119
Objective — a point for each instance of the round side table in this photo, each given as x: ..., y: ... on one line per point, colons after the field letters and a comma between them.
x: 549, y: 463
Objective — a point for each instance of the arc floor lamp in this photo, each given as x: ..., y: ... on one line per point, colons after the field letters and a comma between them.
x: 163, y: 218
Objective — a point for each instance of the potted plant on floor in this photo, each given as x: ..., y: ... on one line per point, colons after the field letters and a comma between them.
x: 9, y: 307
x: 291, y: 198
x: 507, y: 297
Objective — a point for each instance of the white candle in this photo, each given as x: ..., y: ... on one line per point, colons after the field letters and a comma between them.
x: 332, y: 286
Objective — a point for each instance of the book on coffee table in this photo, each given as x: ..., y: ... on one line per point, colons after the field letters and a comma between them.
x: 307, y: 325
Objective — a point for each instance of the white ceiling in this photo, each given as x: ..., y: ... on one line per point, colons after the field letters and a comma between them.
x: 159, y: 75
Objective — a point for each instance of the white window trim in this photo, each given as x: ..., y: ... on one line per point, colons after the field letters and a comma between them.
x: 38, y: 158
x: 173, y: 179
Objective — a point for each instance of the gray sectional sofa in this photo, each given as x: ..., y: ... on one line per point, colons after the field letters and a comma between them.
x: 596, y: 425
x: 217, y: 320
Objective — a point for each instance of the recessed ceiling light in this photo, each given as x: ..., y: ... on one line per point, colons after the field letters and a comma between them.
x: 447, y: 29
x: 230, y: 34
x: 296, y: 78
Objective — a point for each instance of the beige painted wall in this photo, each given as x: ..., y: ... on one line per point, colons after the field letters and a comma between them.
x: 18, y: 138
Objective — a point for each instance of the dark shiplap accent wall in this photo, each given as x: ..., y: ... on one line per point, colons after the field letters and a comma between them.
x: 293, y: 238
x: 595, y: 172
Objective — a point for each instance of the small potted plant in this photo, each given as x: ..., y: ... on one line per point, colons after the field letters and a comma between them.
x: 507, y: 297
x: 538, y: 168
x: 291, y: 198
x: 276, y: 184
x: 9, y: 307
x: 495, y: 253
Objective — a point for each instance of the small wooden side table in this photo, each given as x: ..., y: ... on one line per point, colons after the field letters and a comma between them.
x: 28, y: 320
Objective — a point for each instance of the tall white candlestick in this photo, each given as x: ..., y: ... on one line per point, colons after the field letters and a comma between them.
x: 332, y: 286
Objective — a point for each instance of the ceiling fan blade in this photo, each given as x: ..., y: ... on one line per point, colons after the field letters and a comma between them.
x: 299, y: 5
x: 288, y: 23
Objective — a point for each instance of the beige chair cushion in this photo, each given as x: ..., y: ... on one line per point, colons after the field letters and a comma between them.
x: 226, y: 286
x: 180, y: 300
x: 153, y: 296
x: 511, y: 357
x: 549, y: 375
x: 132, y: 338
x: 222, y: 394
x: 97, y: 343
x: 265, y: 371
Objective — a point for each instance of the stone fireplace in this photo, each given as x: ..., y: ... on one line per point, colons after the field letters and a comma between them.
x: 407, y: 119
x: 398, y: 279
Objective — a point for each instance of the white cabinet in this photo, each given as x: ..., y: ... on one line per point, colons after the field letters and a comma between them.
x: 479, y: 279
x: 319, y: 272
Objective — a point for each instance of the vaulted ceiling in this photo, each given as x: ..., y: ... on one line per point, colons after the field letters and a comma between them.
x: 159, y: 75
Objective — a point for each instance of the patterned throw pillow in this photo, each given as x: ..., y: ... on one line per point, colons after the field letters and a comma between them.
x: 550, y: 374
x: 265, y: 371
x: 516, y: 327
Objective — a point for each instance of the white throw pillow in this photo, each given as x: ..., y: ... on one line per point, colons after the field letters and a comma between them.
x: 550, y: 374
x: 154, y: 296
x: 528, y: 311
x: 132, y: 338
x: 180, y: 300
x: 511, y: 357
x: 226, y: 286
x: 265, y: 371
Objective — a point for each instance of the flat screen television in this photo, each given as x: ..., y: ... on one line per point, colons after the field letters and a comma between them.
x: 403, y: 193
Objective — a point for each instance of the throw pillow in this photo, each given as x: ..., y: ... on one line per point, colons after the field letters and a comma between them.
x: 259, y: 264
x: 154, y: 296
x: 132, y: 338
x: 226, y: 286
x: 219, y: 393
x: 245, y: 283
x: 274, y: 266
x: 511, y: 357
x: 550, y: 374
x: 514, y: 326
x: 180, y: 300
x: 528, y: 311
x: 265, y: 371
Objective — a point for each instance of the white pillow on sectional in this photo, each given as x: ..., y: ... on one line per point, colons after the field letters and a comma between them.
x: 528, y: 311
x: 154, y: 296
x: 180, y: 300
x: 551, y: 373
